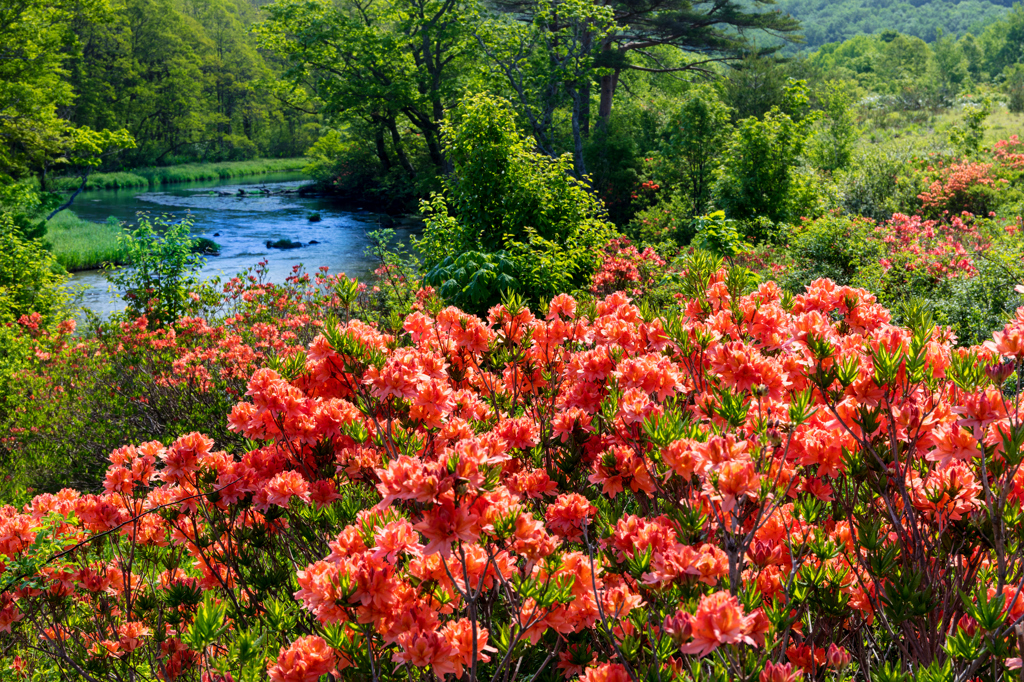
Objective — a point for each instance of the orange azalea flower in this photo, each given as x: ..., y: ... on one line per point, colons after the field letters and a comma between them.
x: 735, y: 479
x: 568, y: 514
x: 306, y: 660
x: 719, y: 620
x: 605, y: 672
x: 426, y: 649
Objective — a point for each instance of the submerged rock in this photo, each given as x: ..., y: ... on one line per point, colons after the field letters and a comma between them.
x: 283, y: 244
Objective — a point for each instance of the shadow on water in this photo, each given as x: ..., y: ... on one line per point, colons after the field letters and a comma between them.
x: 242, y: 225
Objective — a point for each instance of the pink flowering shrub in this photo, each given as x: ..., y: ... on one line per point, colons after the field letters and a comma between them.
x: 962, y: 267
x: 935, y: 249
x: 745, y: 488
x: 624, y: 267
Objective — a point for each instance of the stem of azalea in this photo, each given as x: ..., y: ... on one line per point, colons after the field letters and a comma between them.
x: 369, y: 654
x: 558, y: 646
x: 600, y: 610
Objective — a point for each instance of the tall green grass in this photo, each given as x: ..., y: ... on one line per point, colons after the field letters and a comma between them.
x: 192, y: 172
x: 81, y: 244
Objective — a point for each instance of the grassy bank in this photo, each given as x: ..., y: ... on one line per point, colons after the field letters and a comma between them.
x: 83, y: 245
x: 193, y: 172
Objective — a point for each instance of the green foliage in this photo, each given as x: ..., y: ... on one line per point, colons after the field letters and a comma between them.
x: 667, y: 220
x: 553, y: 52
x: 835, y: 246
x: 692, y: 142
x: 182, y: 79
x: 390, y: 70
x: 831, y: 147
x: 161, y: 268
x: 967, y: 136
x: 755, y: 85
x: 974, y: 306
x: 758, y: 166
x: 1013, y: 86
x: 718, y: 235
x: 1008, y: 45
x: 398, y: 274
x: 878, y: 185
x: 31, y: 280
x: 949, y: 69
x: 504, y: 196
x: 474, y: 281
x: 33, y: 84
x: 843, y: 19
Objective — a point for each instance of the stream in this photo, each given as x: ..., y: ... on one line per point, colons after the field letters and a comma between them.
x: 241, y: 225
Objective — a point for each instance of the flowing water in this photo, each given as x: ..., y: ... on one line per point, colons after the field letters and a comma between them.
x: 241, y: 225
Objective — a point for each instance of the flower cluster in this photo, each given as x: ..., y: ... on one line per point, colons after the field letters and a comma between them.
x: 938, y: 249
x: 624, y: 267
x: 750, y: 486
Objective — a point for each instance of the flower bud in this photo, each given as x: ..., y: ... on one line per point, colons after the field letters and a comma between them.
x: 999, y: 372
x: 968, y: 625
x: 837, y: 657
x: 678, y: 626
x: 780, y: 672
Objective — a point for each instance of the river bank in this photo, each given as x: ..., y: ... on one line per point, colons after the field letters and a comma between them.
x: 164, y: 175
x: 79, y: 244
x: 270, y: 210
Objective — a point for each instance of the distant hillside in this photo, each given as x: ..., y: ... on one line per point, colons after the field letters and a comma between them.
x: 827, y: 21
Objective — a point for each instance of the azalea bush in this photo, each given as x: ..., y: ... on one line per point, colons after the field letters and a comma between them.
x: 963, y: 267
x: 750, y: 487
x: 73, y: 397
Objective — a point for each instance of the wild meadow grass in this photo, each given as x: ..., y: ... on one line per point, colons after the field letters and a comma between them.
x: 193, y: 172
x: 81, y: 244
x: 931, y: 131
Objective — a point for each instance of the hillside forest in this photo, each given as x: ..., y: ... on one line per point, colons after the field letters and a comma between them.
x: 699, y: 356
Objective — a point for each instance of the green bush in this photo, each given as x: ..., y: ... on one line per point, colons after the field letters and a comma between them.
x: 718, y: 235
x: 668, y: 220
x: 758, y: 167
x: 835, y: 246
x: 880, y: 184
x: 504, y: 196
x: 474, y: 281
x: 1013, y: 86
x: 975, y: 306
x: 831, y: 147
x: 31, y: 280
x: 161, y: 269
x: 692, y: 143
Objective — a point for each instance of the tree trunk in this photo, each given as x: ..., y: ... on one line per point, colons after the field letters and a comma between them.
x: 608, y: 84
x: 584, y: 95
x: 71, y: 199
x: 396, y: 143
x: 382, y: 148
x: 584, y: 89
x: 579, y: 165
x: 434, y: 149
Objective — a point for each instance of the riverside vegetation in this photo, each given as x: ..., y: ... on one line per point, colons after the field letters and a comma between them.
x: 710, y: 379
